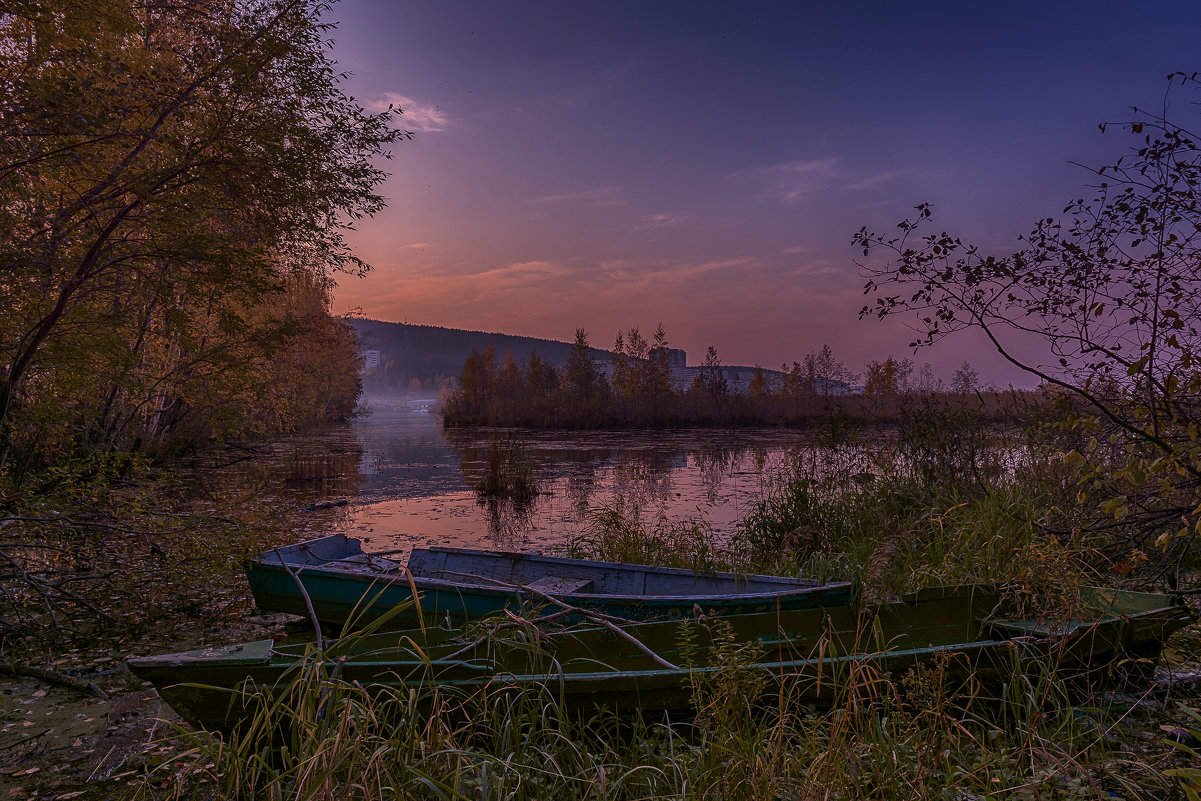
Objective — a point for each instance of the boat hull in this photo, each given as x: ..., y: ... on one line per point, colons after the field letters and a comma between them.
x: 813, y: 655
x: 344, y: 585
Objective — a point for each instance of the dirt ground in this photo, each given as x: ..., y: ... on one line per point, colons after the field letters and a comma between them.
x: 59, y: 743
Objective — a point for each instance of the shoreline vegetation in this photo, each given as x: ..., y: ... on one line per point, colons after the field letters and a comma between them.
x: 638, y: 388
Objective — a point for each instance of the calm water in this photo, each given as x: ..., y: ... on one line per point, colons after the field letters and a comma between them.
x: 407, y: 480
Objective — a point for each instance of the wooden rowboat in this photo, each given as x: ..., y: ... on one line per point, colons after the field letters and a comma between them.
x: 807, y: 655
x: 457, y: 584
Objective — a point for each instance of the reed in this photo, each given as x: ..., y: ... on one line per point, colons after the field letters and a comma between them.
x: 618, y: 533
x: 508, y: 472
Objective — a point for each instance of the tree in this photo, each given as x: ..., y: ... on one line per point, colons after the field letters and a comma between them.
x: 1112, y: 291
x: 580, y: 375
x: 926, y: 381
x: 758, y: 385
x: 657, y: 375
x: 889, y: 377
x: 965, y: 380
x: 477, y: 386
x: 713, y: 379
x: 821, y: 373
x: 164, y: 168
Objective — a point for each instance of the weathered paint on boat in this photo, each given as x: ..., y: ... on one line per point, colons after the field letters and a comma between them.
x: 802, y: 655
x: 459, y: 584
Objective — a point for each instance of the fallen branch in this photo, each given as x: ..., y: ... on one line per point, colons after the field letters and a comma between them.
x: 308, y: 602
x: 50, y: 677
x: 597, y: 617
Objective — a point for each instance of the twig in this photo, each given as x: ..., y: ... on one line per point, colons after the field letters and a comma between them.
x: 308, y: 602
x: 503, y: 625
x: 620, y: 632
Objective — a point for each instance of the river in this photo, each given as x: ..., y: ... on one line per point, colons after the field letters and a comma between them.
x: 405, y: 480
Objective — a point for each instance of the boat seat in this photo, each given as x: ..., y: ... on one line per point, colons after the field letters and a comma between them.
x: 560, y: 585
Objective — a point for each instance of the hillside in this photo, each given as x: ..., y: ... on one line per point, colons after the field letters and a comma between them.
x: 422, y: 358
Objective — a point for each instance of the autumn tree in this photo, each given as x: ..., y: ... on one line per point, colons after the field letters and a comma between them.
x: 889, y: 377
x: 1112, y: 291
x: 710, y: 387
x: 630, y: 353
x: 477, y: 388
x: 657, y: 375
x: 583, y: 387
x: 580, y: 377
x: 758, y: 387
x: 165, y: 168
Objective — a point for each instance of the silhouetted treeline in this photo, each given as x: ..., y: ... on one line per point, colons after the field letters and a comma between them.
x: 426, y: 357
x: 638, y: 388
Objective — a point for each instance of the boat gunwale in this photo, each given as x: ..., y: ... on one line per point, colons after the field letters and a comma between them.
x: 427, y: 584
x: 271, y: 558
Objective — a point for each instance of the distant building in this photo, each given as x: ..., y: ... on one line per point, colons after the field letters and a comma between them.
x: 676, y: 357
x: 371, y: 360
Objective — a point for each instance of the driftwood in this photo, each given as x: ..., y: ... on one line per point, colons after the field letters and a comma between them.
x: 50, y: 677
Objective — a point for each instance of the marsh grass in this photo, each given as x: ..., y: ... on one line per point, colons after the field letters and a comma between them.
x: 508, y: 472
x: 618, y: 533
x: 919, y: 735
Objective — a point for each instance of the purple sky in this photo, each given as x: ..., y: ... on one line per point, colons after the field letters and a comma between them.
x: 704, y: 165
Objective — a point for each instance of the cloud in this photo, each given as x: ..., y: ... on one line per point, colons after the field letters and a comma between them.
x: 661, y: 220
x: 791, y: 181
x: 600, y: 196
x: 415, y: 246
x: 415, y: 115
x: 878, y: 180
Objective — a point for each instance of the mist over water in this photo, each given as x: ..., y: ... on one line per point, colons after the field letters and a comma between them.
x: 410, y: 484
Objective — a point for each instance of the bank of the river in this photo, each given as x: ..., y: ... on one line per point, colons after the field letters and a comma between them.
x: 837, y: 511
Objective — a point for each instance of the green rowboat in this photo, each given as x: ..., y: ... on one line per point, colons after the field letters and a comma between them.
x: 454, y: 585
x: 807, y: 655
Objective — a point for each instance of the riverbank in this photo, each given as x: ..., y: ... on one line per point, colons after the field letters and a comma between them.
x: 937, y: 516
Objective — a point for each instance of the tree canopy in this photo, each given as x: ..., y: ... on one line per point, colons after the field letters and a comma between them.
x: 165, y: 169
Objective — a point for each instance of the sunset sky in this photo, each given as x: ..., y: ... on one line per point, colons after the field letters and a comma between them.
x: 704, y: 165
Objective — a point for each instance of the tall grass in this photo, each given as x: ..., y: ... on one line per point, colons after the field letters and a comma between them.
x: 916, y: 736
x: 508, y: 472
x: 618, y: 533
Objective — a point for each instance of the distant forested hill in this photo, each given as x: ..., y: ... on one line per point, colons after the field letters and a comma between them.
x: 423, y: 358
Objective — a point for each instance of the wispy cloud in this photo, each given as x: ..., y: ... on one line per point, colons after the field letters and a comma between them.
x: 660, y: 220
x: 791, y: 181
x: 415, y: 246
x: 415, y: 115
x: 599, y: 196
x: 879, y: 179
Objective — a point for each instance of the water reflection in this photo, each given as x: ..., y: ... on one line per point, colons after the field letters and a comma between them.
x: 410, y: 484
